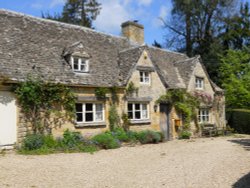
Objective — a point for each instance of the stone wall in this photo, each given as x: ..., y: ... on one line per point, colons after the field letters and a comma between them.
x: 153, y: 90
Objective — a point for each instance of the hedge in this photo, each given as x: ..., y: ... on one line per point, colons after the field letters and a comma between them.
x: 239, y: 120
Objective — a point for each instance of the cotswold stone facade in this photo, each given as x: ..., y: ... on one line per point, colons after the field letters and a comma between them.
x: 85, y: 59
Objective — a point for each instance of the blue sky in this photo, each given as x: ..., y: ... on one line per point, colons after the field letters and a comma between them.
x: 113, y: 13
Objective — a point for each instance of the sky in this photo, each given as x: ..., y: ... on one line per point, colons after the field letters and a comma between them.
x: 113, y: 13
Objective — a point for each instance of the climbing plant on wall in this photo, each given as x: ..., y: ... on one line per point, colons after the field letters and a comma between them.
x: 39, y: 100
x: 184, y: 103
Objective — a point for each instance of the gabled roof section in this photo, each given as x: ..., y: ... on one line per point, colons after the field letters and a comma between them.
x: 164, y: 62
x: 186, y: 68
x: 35, y: 45
x: 76, y: 49
x: 127, y: 61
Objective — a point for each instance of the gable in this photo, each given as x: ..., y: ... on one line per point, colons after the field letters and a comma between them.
x: 199, y: 72
x: 156, y: 87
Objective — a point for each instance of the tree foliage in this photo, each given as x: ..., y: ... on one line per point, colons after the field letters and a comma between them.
x: 208, y: 28
x: 235, y: 75
x: 78, y: 12
x: 39, y: 100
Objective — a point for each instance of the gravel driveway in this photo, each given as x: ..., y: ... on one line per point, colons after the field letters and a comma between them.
x: 207, y: 162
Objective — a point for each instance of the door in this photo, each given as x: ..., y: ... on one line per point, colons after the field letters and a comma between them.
x: 164, y: 120
x: 7, y: 119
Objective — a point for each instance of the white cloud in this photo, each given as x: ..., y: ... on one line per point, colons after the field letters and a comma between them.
x: 115, y: 12
x: 112, y: 14
x: 36, y: 6
x: 164, y: 11
x: 144, y: 2
x: 54, y: 3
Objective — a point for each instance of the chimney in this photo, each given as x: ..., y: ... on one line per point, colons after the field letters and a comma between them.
x: 133, y: 31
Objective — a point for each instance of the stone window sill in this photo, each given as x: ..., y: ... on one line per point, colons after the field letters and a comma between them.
x: 90, y: 124
x: 140, y: 122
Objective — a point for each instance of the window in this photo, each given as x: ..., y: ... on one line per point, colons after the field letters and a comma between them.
x: 203, y: 115
x: 89, y: 112
x: 79, y: 64
x: 199, y: 83
x: 144, y: 77
x: 137, y: 111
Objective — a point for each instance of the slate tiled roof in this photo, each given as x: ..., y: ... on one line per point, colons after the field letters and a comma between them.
x: 39, y: 46
x: 34, y: 45
x: 186, y: 67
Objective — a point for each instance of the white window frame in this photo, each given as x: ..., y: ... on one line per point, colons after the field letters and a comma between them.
x: 204, y: 115
x: 199, y: 82
x: 141, y: 110
x: 81, y: 61
x: 84, y: 111
x: 143, y: 77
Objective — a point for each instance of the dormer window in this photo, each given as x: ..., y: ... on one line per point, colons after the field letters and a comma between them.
x: 199, y: 83
x: 79, y: 64
x: 144, y: 77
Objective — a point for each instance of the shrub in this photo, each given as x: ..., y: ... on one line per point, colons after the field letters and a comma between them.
x: 133, y: 136
x: 33, y: 142
x: 49, y: 141
x: 106, y: 141
x: 184, y: 134
x: 120, y: 134
x: 71, y: 139
x: 239, y: 119
x: 146, y: 137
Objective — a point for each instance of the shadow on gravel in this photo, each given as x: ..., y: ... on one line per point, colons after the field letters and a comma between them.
x: 243, y: 142
x: 243, y: 182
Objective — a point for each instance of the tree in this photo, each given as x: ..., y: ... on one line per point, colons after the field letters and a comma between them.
x: 237, y: 29
x: 195, y: 27
x: 235, y: 75
x: 78, y: 12
x: 195, y: 23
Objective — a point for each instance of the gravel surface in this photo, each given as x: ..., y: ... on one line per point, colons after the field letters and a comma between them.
x: 207, y: 162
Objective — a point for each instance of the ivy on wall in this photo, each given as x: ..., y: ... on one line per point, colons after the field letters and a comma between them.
x: 39, y: 100
x: 184, y: 103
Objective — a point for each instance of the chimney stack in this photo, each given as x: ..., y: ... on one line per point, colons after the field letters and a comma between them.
x: 133, y: 31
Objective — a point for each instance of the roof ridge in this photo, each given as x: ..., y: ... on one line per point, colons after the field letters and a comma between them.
x: 188, y: 59
x: 165, y: 50
x: 34, y: 18
x: 133, y: 48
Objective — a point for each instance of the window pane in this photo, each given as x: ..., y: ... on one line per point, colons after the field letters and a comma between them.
x: 137, y: 115
x: 146, y: 80
x: 130, y: 107
x: 79, y: 117
x: 137, y: 106
x: 88, y: 117
x: 130, y: 115
x: 83, y: 65
x: 144, y: 114
x: 75, y: 63
x: 141, y: 77
x: 98, y: 116
x: 144, y: 107
x: 79, y: 107
x: 89, y: 107
x: 98, y: 107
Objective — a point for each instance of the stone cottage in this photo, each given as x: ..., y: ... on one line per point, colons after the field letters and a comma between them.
x: 85, y: 59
